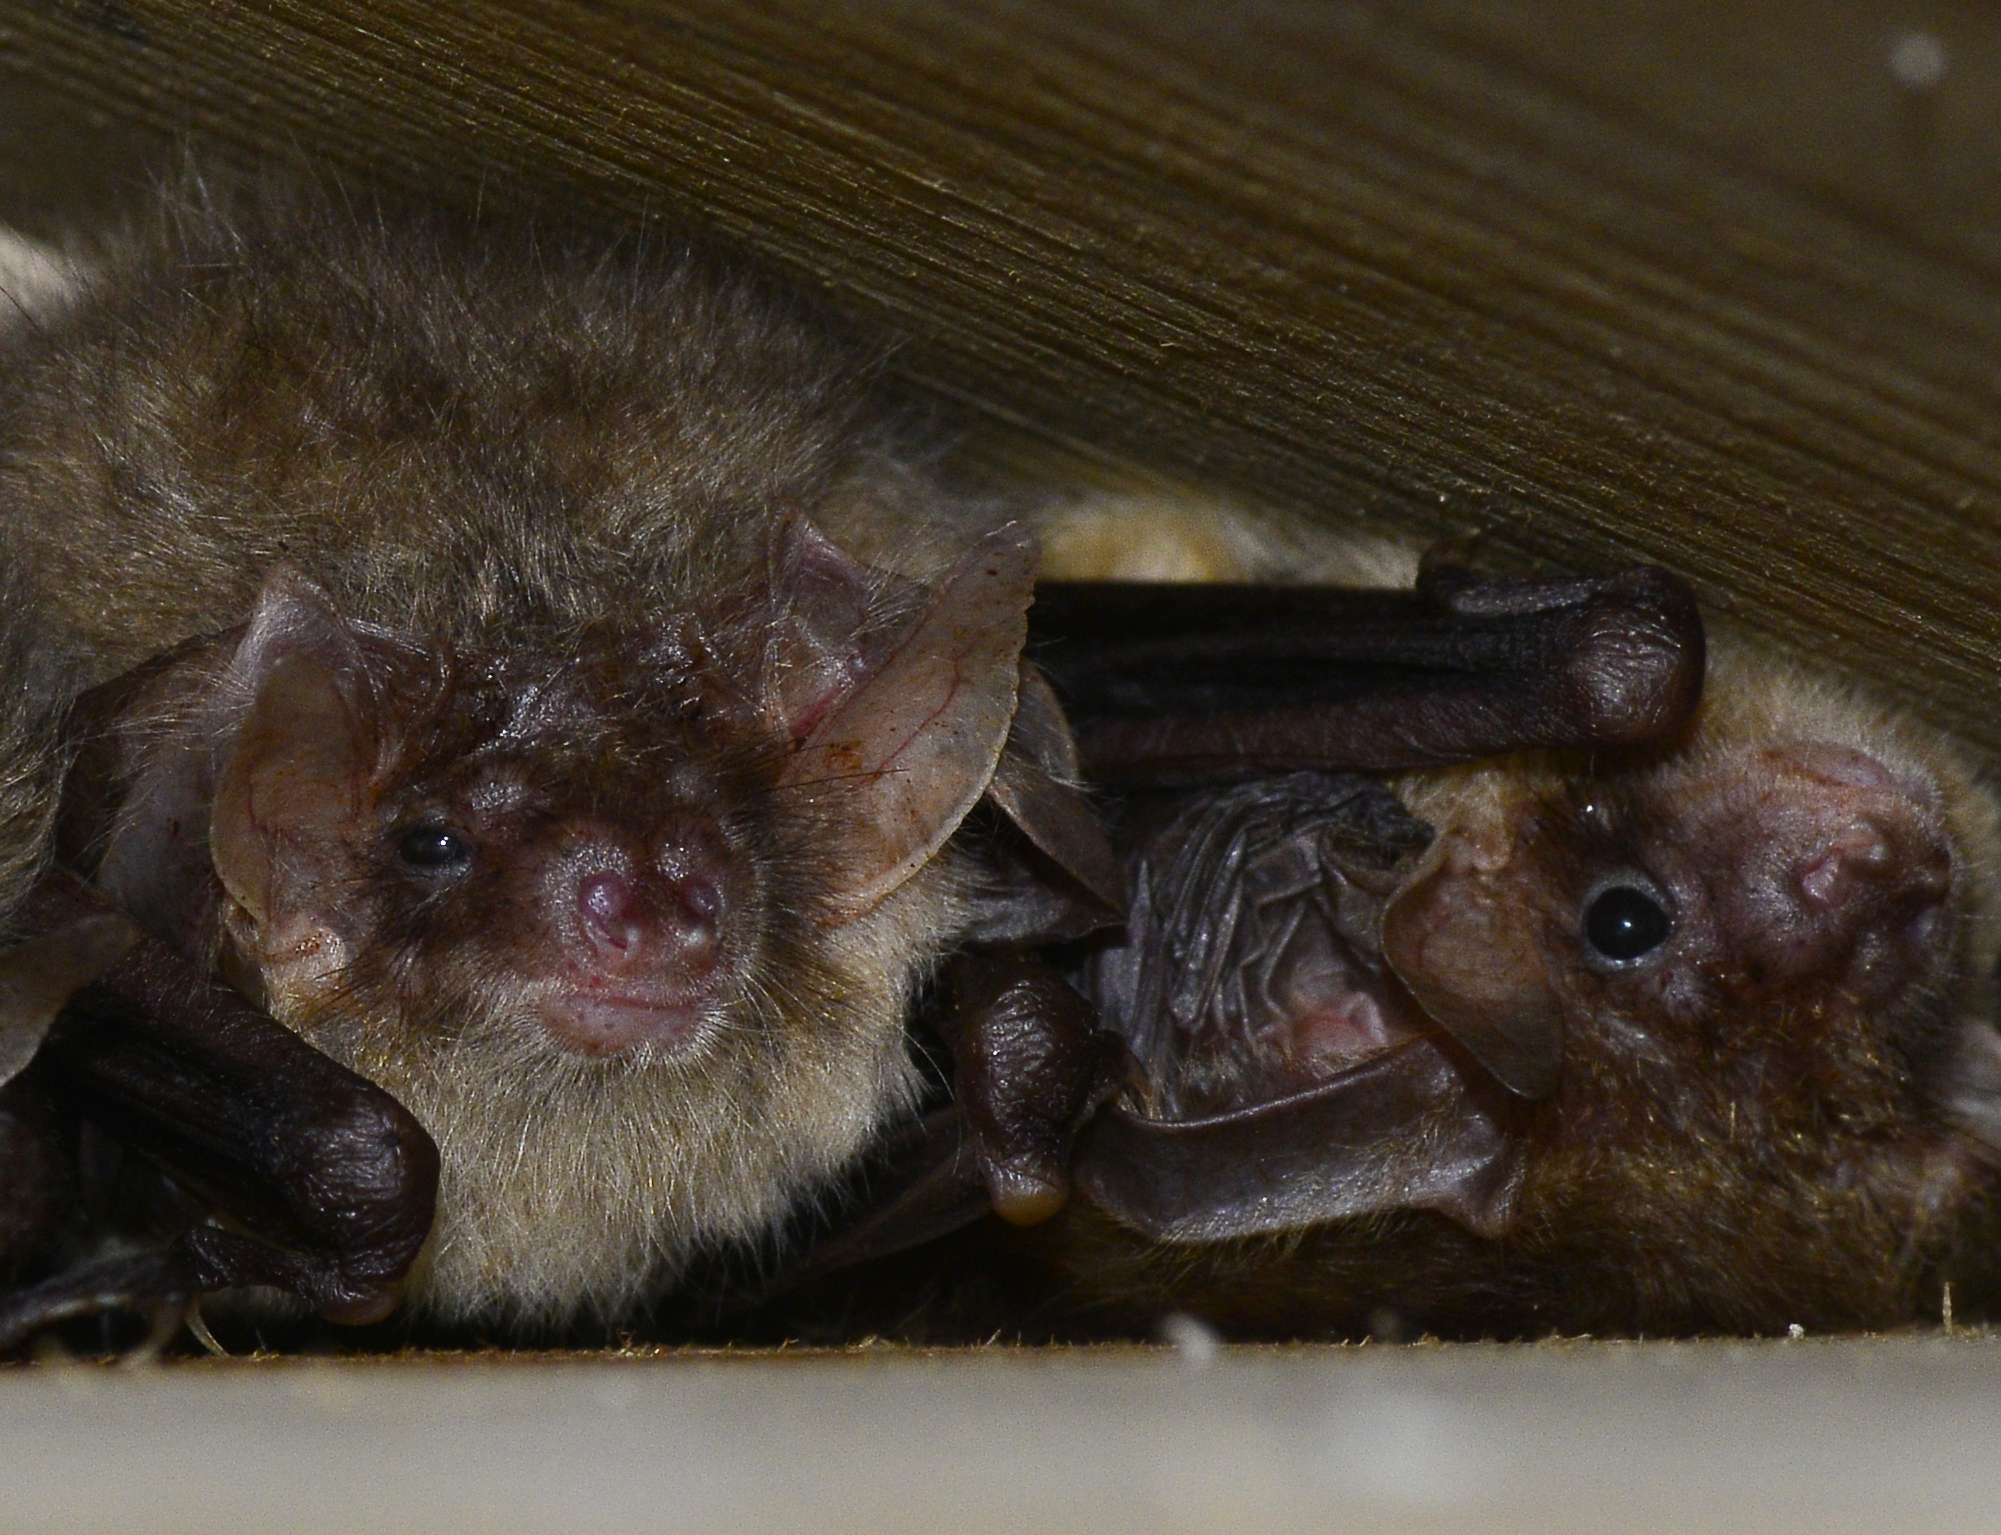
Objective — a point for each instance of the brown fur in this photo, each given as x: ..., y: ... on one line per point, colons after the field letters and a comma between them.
x: 451, y: 430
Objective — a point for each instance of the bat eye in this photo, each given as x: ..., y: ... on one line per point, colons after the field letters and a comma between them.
x: 1624, y: 923
x: 433, y: 849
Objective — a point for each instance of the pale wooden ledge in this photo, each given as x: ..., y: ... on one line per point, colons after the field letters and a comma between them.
x: 1817, y: 1437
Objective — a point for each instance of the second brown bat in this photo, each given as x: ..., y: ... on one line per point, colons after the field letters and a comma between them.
x: 1689, y: 1032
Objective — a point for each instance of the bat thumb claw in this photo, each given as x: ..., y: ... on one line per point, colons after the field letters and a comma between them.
x: 1026, y: 1198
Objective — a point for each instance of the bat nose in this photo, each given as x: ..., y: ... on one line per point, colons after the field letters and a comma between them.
x: 690, y: 922
x: 1859, y: 840
x: 673, y: 923
x: 609, y: 910
x: 1859, y: 853
x: 1836, y: 865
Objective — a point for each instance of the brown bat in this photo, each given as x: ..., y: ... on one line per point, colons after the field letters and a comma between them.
x: 1695, y: 1040
x: 514, y: 738
x: 1690, y: 1033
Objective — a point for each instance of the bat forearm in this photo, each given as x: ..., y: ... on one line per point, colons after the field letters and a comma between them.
x: 1187, y: 685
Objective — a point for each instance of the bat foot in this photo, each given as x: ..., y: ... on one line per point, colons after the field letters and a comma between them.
x: 152, y: 1285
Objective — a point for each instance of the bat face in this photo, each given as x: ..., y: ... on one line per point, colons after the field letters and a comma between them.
x: 540, y: 898
x: 573, y: 846
x: 1778, y: 904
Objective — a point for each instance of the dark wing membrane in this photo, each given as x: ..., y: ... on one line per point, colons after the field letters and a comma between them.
x: 1253, y: 906
x: 1255, y: 911
x: 1290, y: 1077
x: 1170, y: 683
x: 1402, y: 1131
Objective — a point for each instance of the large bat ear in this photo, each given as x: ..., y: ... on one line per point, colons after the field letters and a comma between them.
x: 295, y: 781
x: 824, y: 637
x: 1462, y: 938
x: 901, y: 758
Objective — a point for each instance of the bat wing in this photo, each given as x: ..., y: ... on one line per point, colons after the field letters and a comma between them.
x: 1280, y: 1075
x: 1291, y: 1078
x: 1401, y: 1131
x: 1029, y: 1068
x: 1173, y: 684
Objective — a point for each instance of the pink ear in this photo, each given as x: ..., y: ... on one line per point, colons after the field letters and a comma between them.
x: 294, y: 783
x: 902, y: 759
x: 822, y: 599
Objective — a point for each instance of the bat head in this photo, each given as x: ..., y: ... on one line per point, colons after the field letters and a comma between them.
x: 560, y: 839
x: 1793, y: 898
x: 630, y: 844
x: 1760, y: 961
x: 629, y: 919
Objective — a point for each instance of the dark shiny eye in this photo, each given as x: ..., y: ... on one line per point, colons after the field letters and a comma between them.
x: 1623, y: 923
x: 432, y: 849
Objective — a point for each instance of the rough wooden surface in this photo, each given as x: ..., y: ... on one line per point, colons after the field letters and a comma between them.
x: 1773, y: 1438
x: 1698, y: 282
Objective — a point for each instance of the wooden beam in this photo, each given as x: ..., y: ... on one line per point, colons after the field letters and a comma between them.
x: 1680, y: 284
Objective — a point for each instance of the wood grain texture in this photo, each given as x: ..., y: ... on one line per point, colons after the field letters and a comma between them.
x: 1677, y: 283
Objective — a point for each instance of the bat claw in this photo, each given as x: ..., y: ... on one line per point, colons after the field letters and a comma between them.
x: 1027, y: 1198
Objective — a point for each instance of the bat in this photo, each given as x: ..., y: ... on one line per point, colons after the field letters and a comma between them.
x: 532, y: 671
x: 1695, y: 1042
x: 1690, y: 1032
